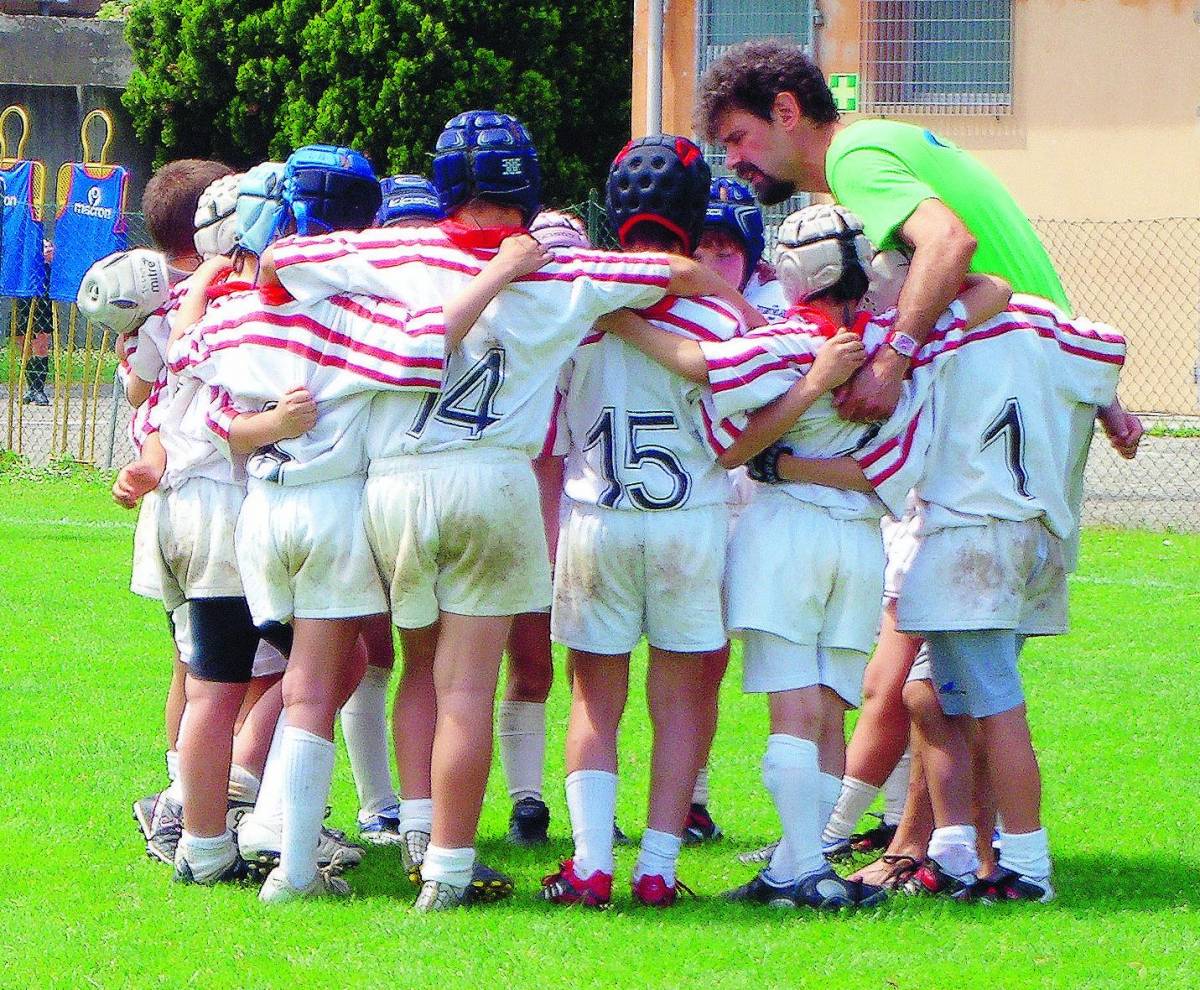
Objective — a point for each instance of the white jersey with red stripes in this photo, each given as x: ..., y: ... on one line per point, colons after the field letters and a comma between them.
x: 764, y: 292
x: 146, y: 357
x: 1012, y: 418
x: 184, y: 421
x: 750, y: 371
x: 255, y: 345
x: 499, y: 386
x: 642, y: 437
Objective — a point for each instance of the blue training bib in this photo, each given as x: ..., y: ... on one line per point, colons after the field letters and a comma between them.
x: 22, y: 264
x: 89, y: 227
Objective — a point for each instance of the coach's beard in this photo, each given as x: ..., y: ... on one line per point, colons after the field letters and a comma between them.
x: 768, y: 189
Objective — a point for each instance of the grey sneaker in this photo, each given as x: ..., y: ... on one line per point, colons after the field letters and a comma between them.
x: 277, y: 890
x: 143, y: 814
x: 235, y: 872
x: 259, y: 845
x: 413, y: 844
x: 762, y: 855
x: 166, y: 826
x: 487, y: 885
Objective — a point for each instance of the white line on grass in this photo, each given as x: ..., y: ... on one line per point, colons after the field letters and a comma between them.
x: 1147, y: 583
x: 25, y: 522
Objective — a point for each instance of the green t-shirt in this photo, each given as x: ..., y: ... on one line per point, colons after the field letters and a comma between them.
x: 883, y: 170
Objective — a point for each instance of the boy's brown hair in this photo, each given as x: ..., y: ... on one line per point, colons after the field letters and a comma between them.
x: 169, y: 202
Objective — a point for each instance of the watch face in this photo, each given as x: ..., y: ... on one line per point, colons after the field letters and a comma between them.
x: 903, y: 344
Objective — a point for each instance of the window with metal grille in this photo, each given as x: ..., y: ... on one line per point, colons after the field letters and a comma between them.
x: 721, y: 24
x: 937, y: 56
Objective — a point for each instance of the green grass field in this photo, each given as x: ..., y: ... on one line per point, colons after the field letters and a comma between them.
x: 84, y: 667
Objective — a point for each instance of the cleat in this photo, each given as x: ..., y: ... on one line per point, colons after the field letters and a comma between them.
x: 619, y: 837
x: 565, y: 887
x: 382, y: 829
x: 326, y: 883
x: 487, y: 886
x: 761, y: 891
x: 529, y: 823
x: 761, y: 855
x: 413, y: 844
x: 824, y: 891
x: 259, y: 846
x: 874, y: 839
x: 699, y: 827
x: 143, y: 814
x: 235, y: 812
x: 236, y: 872
x: 166, y: 827
x: 837, y: 850
x: 1007, y: 885
x: 932, y: 881
x: 653, y: 891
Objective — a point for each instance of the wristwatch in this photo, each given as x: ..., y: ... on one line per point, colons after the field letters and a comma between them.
x: 902, y: 344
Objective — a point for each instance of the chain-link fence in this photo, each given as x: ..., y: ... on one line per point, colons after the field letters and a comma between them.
x: 58, y: 395
x: 1142, y: 276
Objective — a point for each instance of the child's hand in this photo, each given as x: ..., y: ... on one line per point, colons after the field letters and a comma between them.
x: 520, y: 255
x: 133, y: 481
x: 296, y: 413
x: 1123, y: 428
x: 838, y: 359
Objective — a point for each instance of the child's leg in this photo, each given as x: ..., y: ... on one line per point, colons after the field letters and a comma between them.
x: 522, y: 723
x: 466, y: 670
x: 316, y: 684
x: 253, y: 739
x: 908, y: 847
x: 205, y: 751
x: 364, y: 721
x: 831, y: 751
x: 711, y: 671
x: 176, y: 699
x: 414, y: 719
x: 792, y: 775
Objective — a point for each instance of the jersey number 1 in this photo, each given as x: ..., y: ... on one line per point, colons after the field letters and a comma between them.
x: 1007, y: 426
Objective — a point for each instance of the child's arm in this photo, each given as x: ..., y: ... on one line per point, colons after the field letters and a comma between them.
x: 195, y: 300
x: 137, y: 390
x: 678, y: 354
x: 518, y: 255
x: 835, y: 362
x: 295, y: 415
x: 832, y: 472
x: 141, y: 476
x: 984, y: 296
x: 690, y: 278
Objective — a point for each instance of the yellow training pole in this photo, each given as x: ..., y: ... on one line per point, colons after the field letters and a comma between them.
x: 12, y: 371
x: 83, y: 384
x: 68, y: 372
x: 96, y: 392
x: 56, y: 352
x: 25, y: 350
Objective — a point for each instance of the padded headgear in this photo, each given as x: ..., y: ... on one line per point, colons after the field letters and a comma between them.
x: 815, y: 248
x: 408, y: 197
x: 215, y: 221
x: 124, y: 288
x: 490, y: 155
x: 733, y: 208
x: 889, y: 269
x: 661, y: 180
x: 327, y: 187
x: 259, y: 210
x: 559, y: 230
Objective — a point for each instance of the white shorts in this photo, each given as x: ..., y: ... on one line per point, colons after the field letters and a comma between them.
x: 772, y: 664
x: 267, y: 659
x: 146, y: 579
x: 900, y: 542
x: 196, y: 523
x: 621, y: 574
x: 742, y: 491
x: 458, y: 531
x: 797, y: 572
x: 302, y: 551
x: 1002, y: 575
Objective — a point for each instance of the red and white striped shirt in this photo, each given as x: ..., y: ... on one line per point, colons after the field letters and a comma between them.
x: 254, y: 346
x: 146, y: 357
x: 641, y: 437
x: 499, y: 387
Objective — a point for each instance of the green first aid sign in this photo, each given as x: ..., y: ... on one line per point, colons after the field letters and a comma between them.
x: 844, y: 87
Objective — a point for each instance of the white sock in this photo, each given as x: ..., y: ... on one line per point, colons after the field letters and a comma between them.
x: 793, y: 779
x: 658, y: 855
x: 207, y: 856
x: 453, y: 866
x: 523, y: 747
x: 172, y: 765
x: 895, y: 790
x: 592, y: 802
x: 268, y: 808
x: 243, y: 785
x: 830, y: 791
x: 365, y: 728
x: 953, y: 847
x: 416, y: 815
x: 855, y: 798
x: 175, y: 790
x: 308, y: 772
x: 1026, y: 853
x: 700, y: 790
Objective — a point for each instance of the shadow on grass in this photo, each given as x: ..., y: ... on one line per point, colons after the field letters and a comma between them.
x: 1089, y: 883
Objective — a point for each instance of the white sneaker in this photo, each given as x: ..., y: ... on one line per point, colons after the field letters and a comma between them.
x: 413, y: 844
x: 259, y: 845
x: 277, y: 890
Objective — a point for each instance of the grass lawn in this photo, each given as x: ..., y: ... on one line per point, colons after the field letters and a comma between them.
x: 84, y: 666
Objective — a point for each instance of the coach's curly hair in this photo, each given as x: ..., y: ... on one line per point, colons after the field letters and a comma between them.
x: 749, y: 76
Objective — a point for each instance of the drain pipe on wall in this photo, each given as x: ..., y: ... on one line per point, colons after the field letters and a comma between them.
x: 654, y: 67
